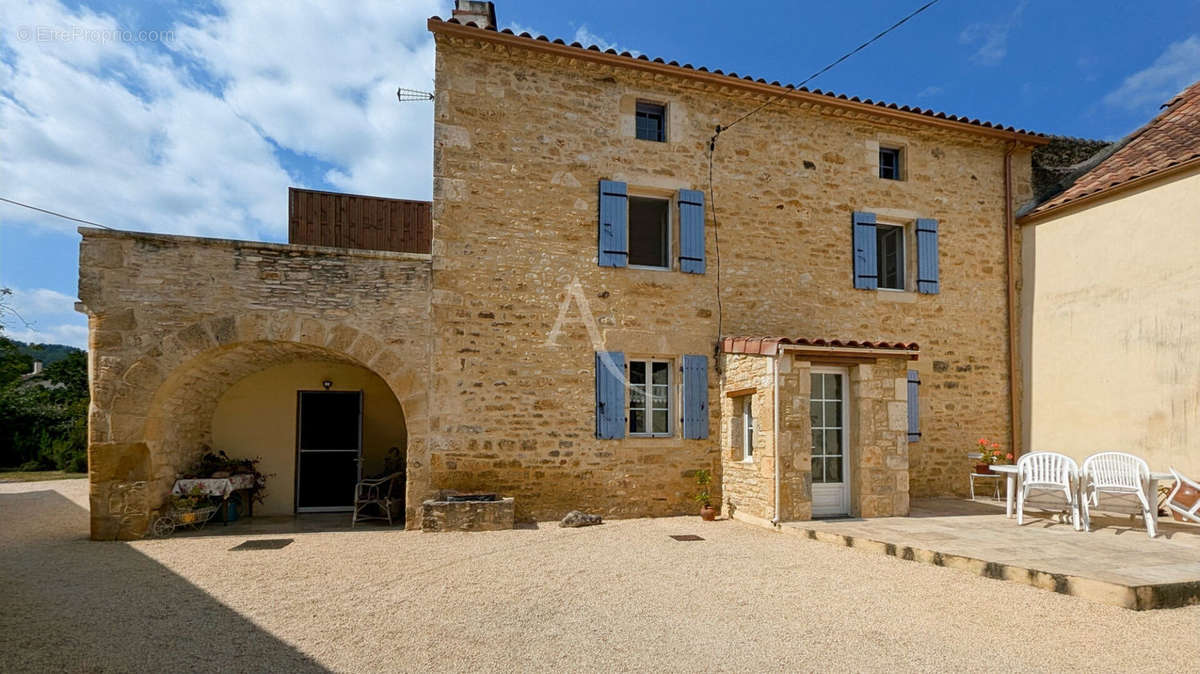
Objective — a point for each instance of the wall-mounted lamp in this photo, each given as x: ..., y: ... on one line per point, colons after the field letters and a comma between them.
x: 327, y: 383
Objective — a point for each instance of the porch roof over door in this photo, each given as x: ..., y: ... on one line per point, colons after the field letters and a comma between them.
x: 773, y: 346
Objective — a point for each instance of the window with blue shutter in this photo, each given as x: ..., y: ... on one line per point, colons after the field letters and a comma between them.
x: 866, y: 265
x: 610, y: 394
x: 614, y: 225
x: 691, y: 231
x: 927, y: 256
x: 914, y: 406
x: 695, y: 397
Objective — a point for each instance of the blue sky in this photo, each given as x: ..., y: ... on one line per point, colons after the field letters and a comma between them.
x: 194, y: 117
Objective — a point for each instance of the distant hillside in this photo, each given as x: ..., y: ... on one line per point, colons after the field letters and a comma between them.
x: 47, y: 353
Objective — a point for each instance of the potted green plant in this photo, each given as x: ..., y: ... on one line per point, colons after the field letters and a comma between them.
x: 992, y: 455
x: 704, y: 497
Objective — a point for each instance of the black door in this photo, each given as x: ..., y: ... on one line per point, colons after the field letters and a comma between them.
x: 328, y: 449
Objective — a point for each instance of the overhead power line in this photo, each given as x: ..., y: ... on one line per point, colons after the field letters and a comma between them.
x: 57, y: 215
x: 827, y: 68
x: 712, y: 150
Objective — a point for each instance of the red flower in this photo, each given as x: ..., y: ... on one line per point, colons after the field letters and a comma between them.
x: 1009, y: 456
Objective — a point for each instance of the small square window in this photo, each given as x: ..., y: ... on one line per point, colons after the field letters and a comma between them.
x: 649, y: 232
x: 651, y: 121
x: 889, y: 250
x: 889, y: 163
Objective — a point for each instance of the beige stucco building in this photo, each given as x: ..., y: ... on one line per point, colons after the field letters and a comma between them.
x: 588, y: 330
x: 1110, y: 318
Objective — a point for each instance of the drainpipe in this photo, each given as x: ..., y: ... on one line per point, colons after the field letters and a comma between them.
x: 775, y: 432
x: 1010, y: 252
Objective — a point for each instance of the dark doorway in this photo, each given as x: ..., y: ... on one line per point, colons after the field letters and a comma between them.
x: 328, y: 449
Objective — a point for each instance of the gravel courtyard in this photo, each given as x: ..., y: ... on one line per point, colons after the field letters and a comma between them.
x: 622, y: 596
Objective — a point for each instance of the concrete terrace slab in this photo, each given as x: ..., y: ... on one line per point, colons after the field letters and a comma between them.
x: 1117, y: 563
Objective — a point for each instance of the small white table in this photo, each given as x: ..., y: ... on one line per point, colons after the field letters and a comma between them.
x: 1010, y: 486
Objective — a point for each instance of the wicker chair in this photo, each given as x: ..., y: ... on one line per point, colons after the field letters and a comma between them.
x: 377, y: 492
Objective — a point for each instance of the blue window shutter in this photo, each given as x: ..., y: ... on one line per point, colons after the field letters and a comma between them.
x: 695, y: 397
x: 927, y: 256
x: 866, y: 264
x: 691, y: 231
x: 914, y: 406
x: 614, y: 225
x: 610, y: 394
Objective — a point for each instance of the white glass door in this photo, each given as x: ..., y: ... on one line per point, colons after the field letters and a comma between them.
x: 829, y: 414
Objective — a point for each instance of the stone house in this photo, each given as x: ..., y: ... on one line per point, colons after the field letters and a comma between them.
x: 1109, y: 269
x: 587, y: 328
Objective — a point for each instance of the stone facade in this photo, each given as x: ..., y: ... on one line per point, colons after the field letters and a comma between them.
x: 175, y: 321
x: 489, y: 343
x: 748, y: 486
x: 522, y: 139
x: 878, y: 461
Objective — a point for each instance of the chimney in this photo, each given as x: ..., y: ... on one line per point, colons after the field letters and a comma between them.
x: 482, y: 13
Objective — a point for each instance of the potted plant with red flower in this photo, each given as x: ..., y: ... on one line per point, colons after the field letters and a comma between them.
x: 991, y: 455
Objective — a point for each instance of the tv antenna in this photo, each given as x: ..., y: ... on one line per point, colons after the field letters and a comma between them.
x: 408, y: 95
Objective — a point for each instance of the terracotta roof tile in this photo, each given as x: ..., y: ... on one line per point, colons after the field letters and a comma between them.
x: 769, y: 346
x: 1168, y: 140
x: 784, y: 88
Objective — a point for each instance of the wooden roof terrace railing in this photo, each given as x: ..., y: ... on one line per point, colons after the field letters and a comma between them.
x: 317, y: 218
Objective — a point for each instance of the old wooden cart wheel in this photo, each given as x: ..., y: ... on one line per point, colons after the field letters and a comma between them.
x: 164, y: 526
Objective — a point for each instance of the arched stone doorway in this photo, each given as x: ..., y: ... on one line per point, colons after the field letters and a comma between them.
x: 151, y: 420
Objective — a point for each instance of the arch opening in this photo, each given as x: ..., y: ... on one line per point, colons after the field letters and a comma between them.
x: 242, y: 398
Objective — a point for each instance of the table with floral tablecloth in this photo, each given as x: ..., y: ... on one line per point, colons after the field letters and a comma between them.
x: 221, y: 487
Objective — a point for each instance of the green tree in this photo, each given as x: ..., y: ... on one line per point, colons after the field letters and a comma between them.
x: 43, y: 419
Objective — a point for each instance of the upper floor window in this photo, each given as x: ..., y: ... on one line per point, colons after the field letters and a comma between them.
x: 650, y: 232
x: 650, y: 397
x: 889, y: 163
x: 651, y: 121
x: 889, y: 250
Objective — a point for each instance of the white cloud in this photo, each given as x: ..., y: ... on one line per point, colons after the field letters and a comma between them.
x: 929, y: 91
x: 991, y: 38
x: 587, y: 38
x: 44, y: 316
x: 136, y: 137
x: 1174, y: 69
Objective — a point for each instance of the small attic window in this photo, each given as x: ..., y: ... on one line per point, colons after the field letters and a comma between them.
x: 889, y: 163
x: 651, y: 121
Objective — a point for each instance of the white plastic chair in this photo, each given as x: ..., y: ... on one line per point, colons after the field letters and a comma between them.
x: 1048, y: 471
x: 1117, y: 473
x: 1189, y: 512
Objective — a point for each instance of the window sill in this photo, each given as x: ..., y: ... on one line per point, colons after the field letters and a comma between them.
x: 896, y: 296
x: 646, y: 268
